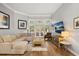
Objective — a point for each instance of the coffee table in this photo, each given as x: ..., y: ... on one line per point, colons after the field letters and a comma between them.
x: 38, y: 48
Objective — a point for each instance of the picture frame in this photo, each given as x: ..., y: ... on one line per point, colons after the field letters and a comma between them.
x: 59, y: 26
x: 76, y: 23
x: 22, y: 24
x: 4, y: 20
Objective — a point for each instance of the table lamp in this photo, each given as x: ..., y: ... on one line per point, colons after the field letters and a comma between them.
x: 65, y: 34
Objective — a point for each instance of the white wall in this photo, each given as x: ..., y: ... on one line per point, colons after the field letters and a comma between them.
x: 66, y: 13
x: 6, y: 10
x: 15, y: 15
x: 13, y: 21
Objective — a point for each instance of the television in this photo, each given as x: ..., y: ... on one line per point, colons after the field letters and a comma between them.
x: 59, y: 27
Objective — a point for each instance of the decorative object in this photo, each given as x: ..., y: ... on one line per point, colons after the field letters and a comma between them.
x: 76, y: 22
x: 4, y: 20
x: 48, y: 36
x: 22, y: 24
x: 59, y: 27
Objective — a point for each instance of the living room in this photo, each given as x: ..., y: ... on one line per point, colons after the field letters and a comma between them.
x: 39, y: 29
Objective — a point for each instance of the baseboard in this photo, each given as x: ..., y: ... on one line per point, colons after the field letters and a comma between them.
x: 72, y: 52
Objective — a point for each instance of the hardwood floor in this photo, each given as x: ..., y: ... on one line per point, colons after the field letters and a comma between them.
x: 52, y: 51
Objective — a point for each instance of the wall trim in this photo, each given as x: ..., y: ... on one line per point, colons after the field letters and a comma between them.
x: 72, y: 51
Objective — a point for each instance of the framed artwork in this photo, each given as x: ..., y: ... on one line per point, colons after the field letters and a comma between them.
x: 22, y: 24
x: 76, y: 23
x: 4, y: 20
x: 59, y: 27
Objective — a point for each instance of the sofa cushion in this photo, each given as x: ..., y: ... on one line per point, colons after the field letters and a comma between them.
x: 20, y: 45
x: 8, y: 38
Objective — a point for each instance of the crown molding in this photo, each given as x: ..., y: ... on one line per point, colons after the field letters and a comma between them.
x: 30, y: 15
x: 15, y: 11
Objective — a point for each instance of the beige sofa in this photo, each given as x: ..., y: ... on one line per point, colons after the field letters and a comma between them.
x: 12, y: 44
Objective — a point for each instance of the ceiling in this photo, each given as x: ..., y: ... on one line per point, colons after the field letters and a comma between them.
x: 34, y: 8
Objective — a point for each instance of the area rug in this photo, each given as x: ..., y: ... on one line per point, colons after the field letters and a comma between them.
x: 44, y: 48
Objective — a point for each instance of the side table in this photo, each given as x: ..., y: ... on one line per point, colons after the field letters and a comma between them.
x: 64, y: 44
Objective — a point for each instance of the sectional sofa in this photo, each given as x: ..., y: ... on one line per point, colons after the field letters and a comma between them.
x: 13, y: 44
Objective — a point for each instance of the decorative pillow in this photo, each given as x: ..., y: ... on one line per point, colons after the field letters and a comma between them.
x: 1, y: 40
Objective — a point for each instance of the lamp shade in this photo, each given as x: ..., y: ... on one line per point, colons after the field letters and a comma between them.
x: 65, y: 34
